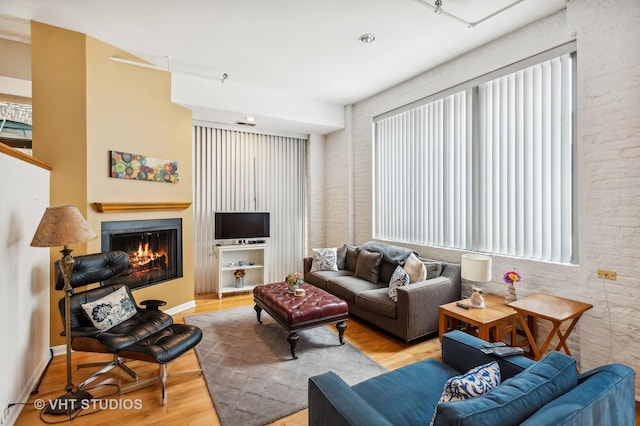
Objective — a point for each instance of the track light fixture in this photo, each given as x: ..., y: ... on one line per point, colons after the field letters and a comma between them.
x: 222, y: 79
x: 438, y: 9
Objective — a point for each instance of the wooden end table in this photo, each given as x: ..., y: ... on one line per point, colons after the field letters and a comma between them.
x: 495, y: 315
x: 552, y: 308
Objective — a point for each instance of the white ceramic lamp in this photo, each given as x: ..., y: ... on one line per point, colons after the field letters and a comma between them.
x: 477, y: 268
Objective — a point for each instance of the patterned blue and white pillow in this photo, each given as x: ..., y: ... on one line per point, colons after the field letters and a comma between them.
x: 475, y: 382
x: 110, y: 310
x: 399, y: 278
x: 325, y: 259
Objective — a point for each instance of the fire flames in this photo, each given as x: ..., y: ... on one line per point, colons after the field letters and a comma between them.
x: 145, y: 257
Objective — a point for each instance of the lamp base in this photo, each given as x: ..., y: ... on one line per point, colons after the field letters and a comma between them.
x: 69, y: 403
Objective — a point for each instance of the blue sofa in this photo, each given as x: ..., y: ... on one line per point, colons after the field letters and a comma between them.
x: 547, y: 392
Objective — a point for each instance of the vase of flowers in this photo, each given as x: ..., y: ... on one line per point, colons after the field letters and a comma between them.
x: 294, y: 280
x: 510, y: 278
x: 239, y: 274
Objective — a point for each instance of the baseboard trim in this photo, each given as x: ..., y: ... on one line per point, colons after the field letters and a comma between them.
x: 177, y: 309
x: 14, y: 411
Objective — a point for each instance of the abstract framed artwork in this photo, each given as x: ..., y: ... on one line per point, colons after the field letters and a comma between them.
x: 142, y: 167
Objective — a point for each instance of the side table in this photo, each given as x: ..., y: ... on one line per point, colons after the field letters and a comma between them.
x: 495, y: 315
x: 555, y: 309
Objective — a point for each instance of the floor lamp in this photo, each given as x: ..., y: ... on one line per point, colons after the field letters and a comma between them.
x: 63, y: 226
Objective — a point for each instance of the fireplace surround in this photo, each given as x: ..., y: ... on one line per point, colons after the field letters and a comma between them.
x: 154, y: 247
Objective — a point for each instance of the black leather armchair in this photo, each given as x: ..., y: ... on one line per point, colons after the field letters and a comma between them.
x: 149, y: 335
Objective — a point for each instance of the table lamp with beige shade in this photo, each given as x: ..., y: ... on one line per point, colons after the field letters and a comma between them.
x: 477, y: 268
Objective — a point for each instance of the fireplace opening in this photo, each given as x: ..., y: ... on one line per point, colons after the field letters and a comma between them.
x: 154, y: 247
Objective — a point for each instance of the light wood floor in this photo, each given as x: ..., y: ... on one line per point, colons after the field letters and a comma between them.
x: 189, y: 402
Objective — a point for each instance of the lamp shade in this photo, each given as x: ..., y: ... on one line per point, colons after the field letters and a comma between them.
x: 476, y: 267
x: 62, y: 226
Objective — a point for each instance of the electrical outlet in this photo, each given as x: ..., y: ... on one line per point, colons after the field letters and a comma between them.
x: 607, y: 275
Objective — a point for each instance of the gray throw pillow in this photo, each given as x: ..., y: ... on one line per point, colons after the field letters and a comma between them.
x: 434, y: 268
x: 368, y: 265
x: 342, y: 257
x: 351, y: 258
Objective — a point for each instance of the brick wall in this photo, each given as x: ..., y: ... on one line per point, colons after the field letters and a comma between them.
x: 608, y: 147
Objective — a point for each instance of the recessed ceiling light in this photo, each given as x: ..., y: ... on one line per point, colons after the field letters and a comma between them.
x: 250, y: 118
x: 367, y: 38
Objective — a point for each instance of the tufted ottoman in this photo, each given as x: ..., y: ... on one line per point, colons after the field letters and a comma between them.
x: 315, y: 308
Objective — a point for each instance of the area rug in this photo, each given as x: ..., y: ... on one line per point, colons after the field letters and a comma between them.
x: 249, y: 371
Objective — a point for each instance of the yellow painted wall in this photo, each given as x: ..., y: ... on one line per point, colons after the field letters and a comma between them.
x: 86, y: 105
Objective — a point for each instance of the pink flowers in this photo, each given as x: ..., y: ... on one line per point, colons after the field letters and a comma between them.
x: 511, y: 277
x: 295, y: 278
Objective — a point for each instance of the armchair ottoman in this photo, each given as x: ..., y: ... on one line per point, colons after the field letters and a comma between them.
x: 146, y: 334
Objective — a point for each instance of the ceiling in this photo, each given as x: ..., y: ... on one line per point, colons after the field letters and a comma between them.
x: 292, y: 64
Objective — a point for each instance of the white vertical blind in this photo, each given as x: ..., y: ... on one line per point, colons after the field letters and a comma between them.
x: 241, y: 171
x: 421, y: 179
x: 527, y: 132
x: 486, y: 169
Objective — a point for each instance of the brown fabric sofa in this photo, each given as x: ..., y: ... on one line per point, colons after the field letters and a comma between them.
x: 415, y: 314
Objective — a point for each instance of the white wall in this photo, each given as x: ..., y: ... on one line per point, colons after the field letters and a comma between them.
x: 24, y: 282
x: 316, y: 193
x: 608, y: 147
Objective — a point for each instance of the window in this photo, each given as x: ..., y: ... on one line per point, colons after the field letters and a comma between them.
x: 486, y: 167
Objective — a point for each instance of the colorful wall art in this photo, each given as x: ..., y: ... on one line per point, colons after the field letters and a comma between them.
x: 142, y: 167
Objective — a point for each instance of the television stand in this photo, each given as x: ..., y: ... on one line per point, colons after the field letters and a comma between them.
x: 229, y: 256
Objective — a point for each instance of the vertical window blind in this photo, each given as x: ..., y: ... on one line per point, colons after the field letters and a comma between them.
x: 488, y: 168
x: 242, y: 171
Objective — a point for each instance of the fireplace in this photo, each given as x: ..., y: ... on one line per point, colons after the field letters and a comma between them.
x: 154, y: 247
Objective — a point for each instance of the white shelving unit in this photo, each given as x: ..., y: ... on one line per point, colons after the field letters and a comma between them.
x: 229, y: 257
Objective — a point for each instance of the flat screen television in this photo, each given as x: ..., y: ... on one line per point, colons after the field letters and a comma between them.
x: 241, y: 225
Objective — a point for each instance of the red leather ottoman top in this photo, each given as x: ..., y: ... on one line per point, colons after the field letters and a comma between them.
x: 316, y: 304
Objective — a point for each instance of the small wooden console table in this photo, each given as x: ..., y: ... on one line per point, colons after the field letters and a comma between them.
x: 552, y: 308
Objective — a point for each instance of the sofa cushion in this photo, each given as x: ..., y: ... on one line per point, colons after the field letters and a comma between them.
x: 347, y: 287
x: 377, y: 301
x: 320, y: 278
x: 325, y: 259
x: 515, y: 399
x: 351, y: 258
x: 110, y: 310
x: 399, y: 278
x: 405, y: 395
x: 368, y: 265
x: 415, y: 268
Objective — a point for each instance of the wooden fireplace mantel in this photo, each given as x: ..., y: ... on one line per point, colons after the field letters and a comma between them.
x: 137, y: 207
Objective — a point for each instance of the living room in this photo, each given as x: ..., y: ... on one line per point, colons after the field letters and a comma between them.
x: 606, y: 35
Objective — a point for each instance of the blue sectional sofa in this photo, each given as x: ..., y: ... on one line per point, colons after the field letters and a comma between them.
x: 548, y: 392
